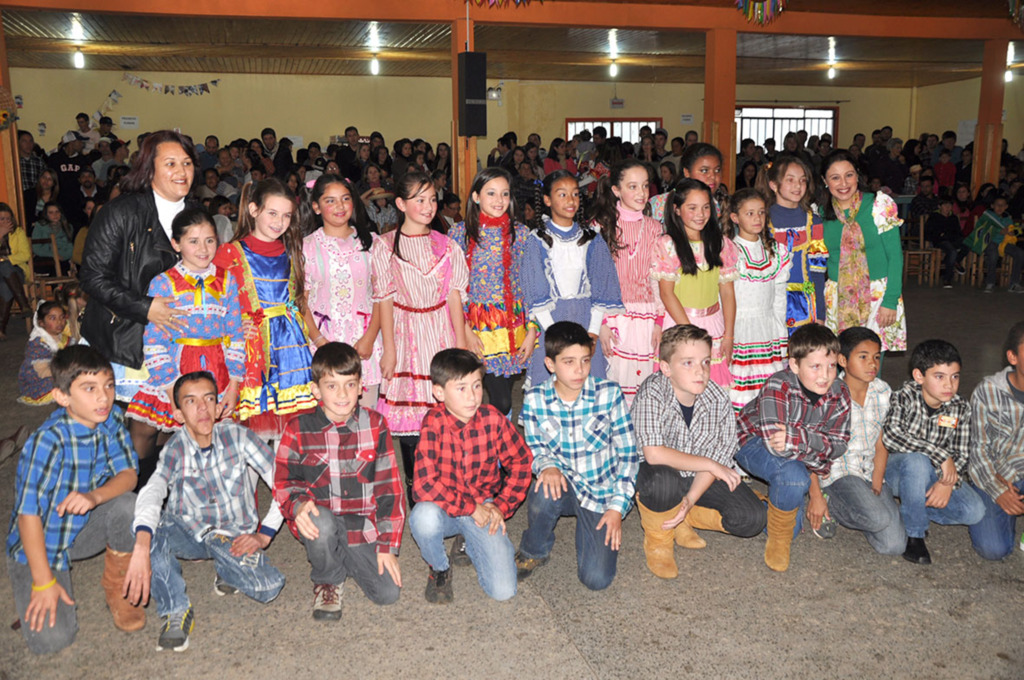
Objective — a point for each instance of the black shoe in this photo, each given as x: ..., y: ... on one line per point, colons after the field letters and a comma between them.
x: 917, y: 551
x: 458, y: 555
x: 959, y: 269
x: 439, y: 586
x: 526, y: 565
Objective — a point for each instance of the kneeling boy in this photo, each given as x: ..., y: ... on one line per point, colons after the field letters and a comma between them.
x: 338, y: 487
x: 927, y: 432
x: 72, y: 499
x: 210, y: 512
x: 458, y: 485
x: 792, y: 431
x: 579, y: 431
x: 686, y: 427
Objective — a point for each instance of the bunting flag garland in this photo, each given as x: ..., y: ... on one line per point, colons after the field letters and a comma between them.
x: 502, y: 3
x: 761, y: 11
x: 198, y: 89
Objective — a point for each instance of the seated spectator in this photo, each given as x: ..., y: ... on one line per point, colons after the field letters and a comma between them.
x: 942, y: 230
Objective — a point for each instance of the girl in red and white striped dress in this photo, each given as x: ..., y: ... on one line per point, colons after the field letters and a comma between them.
x: 631, y: 236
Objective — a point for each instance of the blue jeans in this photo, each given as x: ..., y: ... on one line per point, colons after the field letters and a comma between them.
x: 910, y: 475
x: 993, y: 536
x: 493, y: 556
x: 251, y: 574
x: 853, y: 504
x: 333, y: 560
x: 788, y: 480
x: 595, y: 561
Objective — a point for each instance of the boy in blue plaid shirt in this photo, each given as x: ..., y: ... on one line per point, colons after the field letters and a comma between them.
x: 73, y: 499
x: 584, y: 456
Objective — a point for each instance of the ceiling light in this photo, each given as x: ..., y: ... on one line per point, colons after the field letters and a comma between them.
x: 78, y: 59
x: 77, y: 34
x: 1008, y: 76
x: 831, y: 51
x: 613, y: 43
x: 1009, y: 54
x: 613, y: 69
x: 374, y: 65
x: 374, y: 36
x: 831, y: 72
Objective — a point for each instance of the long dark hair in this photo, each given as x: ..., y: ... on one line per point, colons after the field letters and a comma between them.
x: 733, y: 207
x: 549, y: 184
x: 140, y: 177
x: 472, y: 220
x: 710, y: 235
x: 309, y: 221
x: 258, y: 194
x: 837, y: 156
x: 606, y: 214
x: 411, y: 184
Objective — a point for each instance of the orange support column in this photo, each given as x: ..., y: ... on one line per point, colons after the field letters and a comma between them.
x: 720, y: 97
x: 10, y: 169
x: 464, y: 148
x: 988, y: 137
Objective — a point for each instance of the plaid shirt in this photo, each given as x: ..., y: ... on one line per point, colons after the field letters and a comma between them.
x: 31, y: 167
x: 589, y: 441
x: 659, y: 422
x: 458, y: 464
x: 997, y: 434
x: 210, y: 490
x: 910, y: 428
x: 348, y: 468
x: 865, y: 428
x: 64, y: 456
x: 816, y: 434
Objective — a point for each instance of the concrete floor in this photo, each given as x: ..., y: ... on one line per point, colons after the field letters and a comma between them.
x: 840, y: 611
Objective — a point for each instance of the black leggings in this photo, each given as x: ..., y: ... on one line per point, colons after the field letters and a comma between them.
x: 661, y: 488
x: 499, y: 391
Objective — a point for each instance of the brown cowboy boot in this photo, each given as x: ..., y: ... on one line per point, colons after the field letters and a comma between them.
x: 126, y: 616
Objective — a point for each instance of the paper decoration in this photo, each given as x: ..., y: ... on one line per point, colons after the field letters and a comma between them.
x: 760, y: 11
x: 8, y: 109
x: 159, y: 88
x: 502, y: 3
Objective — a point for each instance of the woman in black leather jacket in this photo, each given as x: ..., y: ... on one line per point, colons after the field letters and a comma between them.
x: 128, y: 245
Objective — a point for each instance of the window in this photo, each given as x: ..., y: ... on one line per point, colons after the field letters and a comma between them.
x: 626, y: 128
x: 760, y: 123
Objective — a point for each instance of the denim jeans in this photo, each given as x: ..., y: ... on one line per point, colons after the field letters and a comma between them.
x: 853, y: 504
x: 109, y: 524
x: 595, y: 562
x: 493, y: 556
x: 788, y: 480
x: 333, y: 560
x: 952, y: 253
x: 993, y: 536
x: 251, y: 574
x: 910, y: 475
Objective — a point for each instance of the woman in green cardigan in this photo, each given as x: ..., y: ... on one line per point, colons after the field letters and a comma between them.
x: 865, y: 264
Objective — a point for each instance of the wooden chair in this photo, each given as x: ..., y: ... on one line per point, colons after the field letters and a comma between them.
x: 920, y: 259
x: 43, y: 285
x: 1005, y: 268
x: 974, y: 266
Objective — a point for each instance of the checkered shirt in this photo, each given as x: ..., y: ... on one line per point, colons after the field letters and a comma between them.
x: 910, y: 428
x: 865, y: 428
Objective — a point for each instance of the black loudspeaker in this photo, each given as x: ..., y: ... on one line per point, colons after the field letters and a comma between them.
x: 472, y: 94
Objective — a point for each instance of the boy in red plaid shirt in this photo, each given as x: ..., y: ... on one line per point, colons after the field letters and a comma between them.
x: 458, y: 486
x: 338, y: 486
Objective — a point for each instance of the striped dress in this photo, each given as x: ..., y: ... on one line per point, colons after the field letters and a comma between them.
x: 760, y: 338
x: 634, y: 354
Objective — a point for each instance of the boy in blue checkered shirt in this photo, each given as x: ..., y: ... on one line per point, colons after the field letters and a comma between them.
x: 73, y: 499
x: 584, y: 456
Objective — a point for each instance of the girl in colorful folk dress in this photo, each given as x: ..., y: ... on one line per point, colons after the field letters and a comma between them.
x: 789, y: 186
x: 265, y: 260
x: 49, y: 334
x: 761, y: 340
x: 568, y: 275
x: 419, y: 280
x: 212, y: 338
x: 339, y: 288
x: 495, y: 245
x: 632, y: 236
x: 695, y: 266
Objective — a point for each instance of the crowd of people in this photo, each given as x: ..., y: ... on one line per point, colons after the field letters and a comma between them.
x: 674, y: 337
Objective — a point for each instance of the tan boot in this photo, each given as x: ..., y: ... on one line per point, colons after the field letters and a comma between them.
x: 658, y: 546
x: 705, y: 518
x: 686, y: 537
x: 780, y: 537
x: 126, y: 617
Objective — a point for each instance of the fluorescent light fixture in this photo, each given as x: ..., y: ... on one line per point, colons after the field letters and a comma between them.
x: 831, y: 72
x: 374, y: 66
x: 78, y: 59
x: 77, y: 34
x: 613, y: 43
x: 613, y: 69
x: 1008, y: 76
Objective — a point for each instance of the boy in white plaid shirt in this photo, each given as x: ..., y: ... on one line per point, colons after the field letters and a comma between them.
x: 584, y: 456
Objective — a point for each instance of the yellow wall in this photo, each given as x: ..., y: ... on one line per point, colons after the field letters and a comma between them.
x: 942, y: 107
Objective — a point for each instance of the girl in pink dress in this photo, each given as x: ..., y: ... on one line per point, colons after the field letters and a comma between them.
x: 339, y: 288
x: 419, y: 280
x: 631, y: 236
x: 695, y: 265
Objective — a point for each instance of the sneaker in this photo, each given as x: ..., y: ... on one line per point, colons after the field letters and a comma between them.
x: 959, y: 269
x: 947, y: 284
x: 439, y: 586
x: 989, y: 287
x: 526, y: 565
x: 827, y: 528
x: 458, y: 555
x: 222, y: 588
x: 175, y: 631
x: 326, y: 602
x: 1016, y: 288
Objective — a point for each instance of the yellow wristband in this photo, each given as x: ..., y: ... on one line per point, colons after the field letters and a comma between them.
x: 40, y: 589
